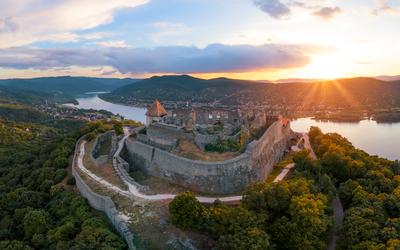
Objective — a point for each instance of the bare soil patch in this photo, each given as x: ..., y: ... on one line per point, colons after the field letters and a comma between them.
x: 105, y: 171
x: 189, y: 150
x: 149, y: 222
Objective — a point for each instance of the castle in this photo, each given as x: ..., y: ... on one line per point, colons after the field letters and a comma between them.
x: 263, y: 138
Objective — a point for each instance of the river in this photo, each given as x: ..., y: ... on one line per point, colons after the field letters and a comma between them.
x: 92, y: 101
x: 381, y: 139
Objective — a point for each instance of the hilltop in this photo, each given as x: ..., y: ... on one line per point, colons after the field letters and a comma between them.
x: 183, y: 88
x: 349, y: 92
x: 63, y: 87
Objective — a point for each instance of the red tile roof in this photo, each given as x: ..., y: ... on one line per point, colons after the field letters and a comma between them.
x: 285, y: 121
x: 156, y: 110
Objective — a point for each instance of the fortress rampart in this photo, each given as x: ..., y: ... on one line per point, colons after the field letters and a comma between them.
x: 102, y: 203
x: 221, y: 177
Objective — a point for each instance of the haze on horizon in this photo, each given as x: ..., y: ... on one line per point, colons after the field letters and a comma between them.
x: 248, y: 39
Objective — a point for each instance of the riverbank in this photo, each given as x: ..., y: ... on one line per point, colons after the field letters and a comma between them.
x: 373, y: 137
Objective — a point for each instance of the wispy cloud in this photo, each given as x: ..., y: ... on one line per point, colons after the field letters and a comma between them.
x: 274, y: 8
x: 7, y: 25
x: 114, y: 44
x: 96, y: 35
x: 172, y: 59
x: 28, y: 23
x: 283, y: 8
x: 385, y: 7
x: 327, y: 13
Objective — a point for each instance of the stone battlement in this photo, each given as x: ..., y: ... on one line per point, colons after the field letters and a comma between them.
x: 220, y: 177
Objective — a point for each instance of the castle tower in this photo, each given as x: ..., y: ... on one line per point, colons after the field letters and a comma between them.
x: 191, y: 121
x: 155, y: 113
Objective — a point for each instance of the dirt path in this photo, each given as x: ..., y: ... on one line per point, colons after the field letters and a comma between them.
x: 338, y: 216
x: 135, y: 192
x: 338, y: 212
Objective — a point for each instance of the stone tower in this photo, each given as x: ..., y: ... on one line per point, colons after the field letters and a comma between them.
x: 155, y: 113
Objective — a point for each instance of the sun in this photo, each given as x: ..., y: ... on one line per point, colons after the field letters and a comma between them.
x: 325, y: 67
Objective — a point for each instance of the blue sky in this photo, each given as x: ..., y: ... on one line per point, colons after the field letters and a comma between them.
x: 253, y: 39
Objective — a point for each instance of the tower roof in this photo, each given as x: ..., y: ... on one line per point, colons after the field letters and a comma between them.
x: 156, y: 110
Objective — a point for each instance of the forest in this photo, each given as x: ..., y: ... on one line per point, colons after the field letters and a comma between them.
x: 357, y: 93
x: 39, y: 206
x: 297, y: 213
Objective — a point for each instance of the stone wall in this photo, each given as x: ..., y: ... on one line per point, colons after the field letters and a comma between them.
x: 98, y: 157
x: 270, y: 148
x: 102, y: 203
x: 166, y: 136
x: 222, y: 177
x: 202, y: 140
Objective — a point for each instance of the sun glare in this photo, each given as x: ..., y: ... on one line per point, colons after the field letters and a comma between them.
x: 325, y: 67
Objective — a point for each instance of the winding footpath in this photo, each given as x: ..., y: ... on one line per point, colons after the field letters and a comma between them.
x: 338, y: 216
x: 133, y: 190
x: 338, y: 212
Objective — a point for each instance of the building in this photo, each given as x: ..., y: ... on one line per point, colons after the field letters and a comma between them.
x: 155, y: 113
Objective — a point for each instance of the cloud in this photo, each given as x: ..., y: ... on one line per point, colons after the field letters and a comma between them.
x: 26, y: 58
x: 171, y: 59
x: 115, y: 44
x: 53, y: 18
x: 385, y: 7
x: 274, y: 8
x: 7, y: 25
x: 96, y: 35
x: 327, y: 13
x: 282, y: 8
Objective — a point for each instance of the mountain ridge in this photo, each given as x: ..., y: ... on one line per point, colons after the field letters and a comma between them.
x: 364, y: 90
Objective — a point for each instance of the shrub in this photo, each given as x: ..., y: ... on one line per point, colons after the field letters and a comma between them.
x: 118, y: 129
x: 71, y: 180
x: 90, y: 136
x: 60, y: 175
x: 186, y: 211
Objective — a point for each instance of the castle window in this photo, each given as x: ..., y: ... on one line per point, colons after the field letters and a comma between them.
x: 210, y: 116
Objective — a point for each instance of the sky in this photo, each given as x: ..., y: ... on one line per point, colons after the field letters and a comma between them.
x: 248, y: 39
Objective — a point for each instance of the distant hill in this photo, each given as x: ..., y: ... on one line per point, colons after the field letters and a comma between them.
x: 388, y: 78
x: 184, y: 88
x: 66, y: 86
x: 366, y: 92
x: 348, y: 92
x: 297, y: 80
x: 12, y: 95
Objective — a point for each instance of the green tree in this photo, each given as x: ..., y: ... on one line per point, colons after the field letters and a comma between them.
x: 118, y: 129
x: 90, y: 136
x: 98, y: 238
x: 186, y: 211
x: 14, y: 245
x: 36, y: 222
x: 247, y: 239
